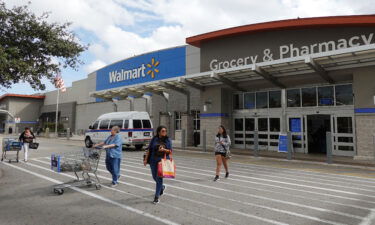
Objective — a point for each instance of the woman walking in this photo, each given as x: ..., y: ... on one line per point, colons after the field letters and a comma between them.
x: 26, y: 137
x: 222, y: 144
x: 113, y: 147
x: 159, y: 145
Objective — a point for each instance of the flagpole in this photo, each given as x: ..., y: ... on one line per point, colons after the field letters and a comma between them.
x: 57, y: 111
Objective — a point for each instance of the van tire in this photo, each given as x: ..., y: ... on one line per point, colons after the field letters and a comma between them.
x: 138, y: 147
x: 88, y: 142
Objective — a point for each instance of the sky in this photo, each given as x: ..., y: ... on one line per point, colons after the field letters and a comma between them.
x: 118, y: 29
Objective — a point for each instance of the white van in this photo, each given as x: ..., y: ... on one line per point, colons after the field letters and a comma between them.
x: 136, y: 128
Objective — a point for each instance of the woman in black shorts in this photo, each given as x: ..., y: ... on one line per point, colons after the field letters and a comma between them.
x: 222, y: 144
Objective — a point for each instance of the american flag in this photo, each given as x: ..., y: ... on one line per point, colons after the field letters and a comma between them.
x: 59, y: 83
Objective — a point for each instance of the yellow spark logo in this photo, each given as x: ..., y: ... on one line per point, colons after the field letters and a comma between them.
x: 153, y: 70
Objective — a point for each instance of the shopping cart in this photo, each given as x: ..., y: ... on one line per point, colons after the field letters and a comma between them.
x: 85, y: 162
x: 11, y: 145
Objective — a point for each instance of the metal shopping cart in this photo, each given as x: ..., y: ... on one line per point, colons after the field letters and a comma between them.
x: 85, y: 162
x: 11, y: 145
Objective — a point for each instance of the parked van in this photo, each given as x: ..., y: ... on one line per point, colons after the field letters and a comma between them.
x: 136, y: 128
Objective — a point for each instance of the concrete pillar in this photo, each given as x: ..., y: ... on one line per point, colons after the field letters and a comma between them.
x: 211, y: 123
x: 165, y: 120
x: 188, y: 125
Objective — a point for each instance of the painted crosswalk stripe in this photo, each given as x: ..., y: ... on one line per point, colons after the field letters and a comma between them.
x: 131, y: 209
x: 197, y: 202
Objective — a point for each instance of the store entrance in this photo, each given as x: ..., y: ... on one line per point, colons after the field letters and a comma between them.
x: 317, y: 127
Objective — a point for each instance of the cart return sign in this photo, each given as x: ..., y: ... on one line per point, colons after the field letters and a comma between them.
x: 149, y: 67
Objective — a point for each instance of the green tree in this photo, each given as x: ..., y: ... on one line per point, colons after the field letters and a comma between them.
x: 32, y: 48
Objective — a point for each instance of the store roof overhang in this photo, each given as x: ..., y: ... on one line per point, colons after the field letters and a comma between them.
x: 319, y: 63
x: 298, y: 23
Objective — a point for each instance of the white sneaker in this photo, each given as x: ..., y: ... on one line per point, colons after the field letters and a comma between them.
x: 113, y: 185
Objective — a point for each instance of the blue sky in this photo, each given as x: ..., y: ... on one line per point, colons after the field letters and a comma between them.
x: 118, y: 29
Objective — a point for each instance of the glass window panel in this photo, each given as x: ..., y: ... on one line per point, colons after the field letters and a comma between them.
x: 137, y: 124
x: 104, y: 124
x: 263, y: 136
x: 275, y: 99
x: 274, y: 144
x: 238, y: 124
x: 263, y: 124
x: 344, y: 94
x: 308, y: 96
x: 126, y: 125
x: 115, y: 123
x: 238, y: 101
x: 238, y: 135
x: 249, y: 135
x: 344, y: 125
x: 237, y: 142
x: 345, y: 139
x: 262, y: 100
x: 274, y: 124
x: 293, y: 98
x: 346, y: 148
x: 95, y: 125
x: 146, y: 123
x: 274, y: 137
x: 249, y: 124
x: 325, y: 96
x: 249, y: 100
x: 263, y: 143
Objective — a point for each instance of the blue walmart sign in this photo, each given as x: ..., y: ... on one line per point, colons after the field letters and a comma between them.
x: 144, y: 68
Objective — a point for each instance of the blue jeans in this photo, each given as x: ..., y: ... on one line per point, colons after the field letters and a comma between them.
x: 113, y: 166
x: 158, y: 180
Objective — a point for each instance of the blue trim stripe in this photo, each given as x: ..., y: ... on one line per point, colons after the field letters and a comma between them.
x: 28, y: 122
x: 214, y: 115
x: 365, y: 110
x: 122, y: 130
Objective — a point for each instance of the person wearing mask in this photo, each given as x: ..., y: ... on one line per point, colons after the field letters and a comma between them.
x: 26, y: 137
x: 159, y: 145
x: 222, y: 144
x: 113, y: 147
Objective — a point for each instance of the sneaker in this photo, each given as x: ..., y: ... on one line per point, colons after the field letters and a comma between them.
x: 216, y: 178
x: 162, y: 190
x: 226, y: 174
x: 156, y: 200
x: 113, y: 185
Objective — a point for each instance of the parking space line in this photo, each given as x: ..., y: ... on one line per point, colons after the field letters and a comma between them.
x: 123, y: 192
x: 131, y: 209
x: 274, y: 192
x: 187, y: 199
x: 299, y: 170
x: 266, y: 184
x: 289, y: 178
x: 254, y: 196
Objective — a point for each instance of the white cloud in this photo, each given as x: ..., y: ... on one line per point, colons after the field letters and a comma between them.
x: 117, y: 26
x: 94, y: 65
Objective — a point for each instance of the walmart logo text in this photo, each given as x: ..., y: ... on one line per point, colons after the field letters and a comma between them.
x: 136, y: 73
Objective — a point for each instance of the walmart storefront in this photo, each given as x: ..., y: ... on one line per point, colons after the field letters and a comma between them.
x: 307, y: 76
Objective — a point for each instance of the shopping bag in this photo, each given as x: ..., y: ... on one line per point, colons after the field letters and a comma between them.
x: 33, y: 145
x: 167, y: 167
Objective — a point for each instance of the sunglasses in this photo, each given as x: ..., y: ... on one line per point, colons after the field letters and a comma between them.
x: 163, y: 131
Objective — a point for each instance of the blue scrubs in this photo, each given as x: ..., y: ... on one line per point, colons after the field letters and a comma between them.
x: 113, y: 156
x: 154, y: 162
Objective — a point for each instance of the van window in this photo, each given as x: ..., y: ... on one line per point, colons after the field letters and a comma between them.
x: 137, y: 124
x: 116, y: 123
x: 146, y: 123
x: 95, y: 125
x: 104, y: 124
x: 126, y: 124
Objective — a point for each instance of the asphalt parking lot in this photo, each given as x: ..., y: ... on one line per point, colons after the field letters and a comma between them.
x: 258, y: 191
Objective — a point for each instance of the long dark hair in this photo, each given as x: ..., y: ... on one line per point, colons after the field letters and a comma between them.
x: 158, y: 131
x: 224, y: 132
